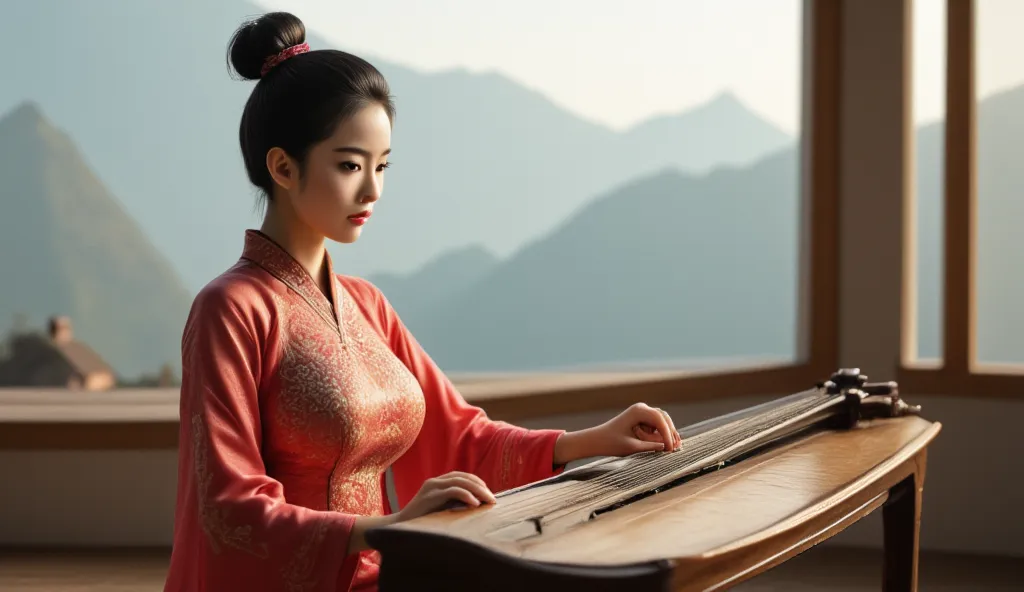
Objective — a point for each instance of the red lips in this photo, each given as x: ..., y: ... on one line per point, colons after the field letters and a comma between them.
x: 360, y: 218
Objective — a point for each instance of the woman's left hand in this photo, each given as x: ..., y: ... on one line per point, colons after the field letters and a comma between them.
x: 639, y: 428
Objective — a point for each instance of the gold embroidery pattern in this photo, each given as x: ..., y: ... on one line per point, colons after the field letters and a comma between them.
x: 297, y: 574
x: 346, y: 412
x: 357, y: 492
x: 213, y: 519
x: 315, y: 418
x: 391, y: 402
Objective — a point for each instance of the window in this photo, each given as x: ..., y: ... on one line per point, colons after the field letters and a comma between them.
x: 608, y: 190
x: 644, y: 199
x: 981, y: 346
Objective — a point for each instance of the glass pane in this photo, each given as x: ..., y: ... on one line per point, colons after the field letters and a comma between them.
x: 1000, y: 252
x: 929, y: 92
x: 621, y: 192
x: 576, y: 185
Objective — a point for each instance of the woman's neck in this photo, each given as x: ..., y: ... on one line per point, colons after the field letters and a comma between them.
x: 304, y: 245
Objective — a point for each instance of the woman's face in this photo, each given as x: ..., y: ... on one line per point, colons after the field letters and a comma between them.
x: 344, y: 176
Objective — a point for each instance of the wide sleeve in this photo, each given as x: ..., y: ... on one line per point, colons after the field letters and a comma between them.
x: 242, y: 533
x: 457, y: 436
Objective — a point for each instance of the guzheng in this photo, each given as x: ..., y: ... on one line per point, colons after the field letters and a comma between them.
x: 747, y: 491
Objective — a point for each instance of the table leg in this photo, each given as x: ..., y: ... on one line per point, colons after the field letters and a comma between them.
x: 901, y: 518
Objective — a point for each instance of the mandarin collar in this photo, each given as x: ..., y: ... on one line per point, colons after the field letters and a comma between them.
x: 268, y: 254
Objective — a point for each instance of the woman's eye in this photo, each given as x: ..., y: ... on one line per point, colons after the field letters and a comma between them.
x: 386, y: 165
x: 350, y: 166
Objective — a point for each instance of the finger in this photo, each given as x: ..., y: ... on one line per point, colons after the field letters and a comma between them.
x: 460, y: 494
x: 470, y: 476
x: 677, y: 440
x: 481, y: 491
x: 647, y: 446
x: 475, y: 487
x: 660, y: 421
x: 459, y: 475
x: 646, y: 434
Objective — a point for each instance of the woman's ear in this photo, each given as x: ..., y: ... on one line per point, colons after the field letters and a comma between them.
x: 283, y: 169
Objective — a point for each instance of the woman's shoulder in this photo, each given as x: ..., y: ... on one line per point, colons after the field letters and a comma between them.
x: 240, y: 288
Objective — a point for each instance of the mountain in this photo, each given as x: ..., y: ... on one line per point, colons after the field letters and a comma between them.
x: 729, y: 133
x: 449, y: 274
x: 485, y: 161
x: 70, y: 248
x: 480, y: 159
x: 667, y: 267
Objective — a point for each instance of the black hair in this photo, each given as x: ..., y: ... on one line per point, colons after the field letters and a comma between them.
x: 300, y: 101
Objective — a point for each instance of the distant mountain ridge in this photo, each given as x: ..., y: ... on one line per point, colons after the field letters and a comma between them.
x: 479, y: 159
x: 731, y: 135
x: 70, y: 249
x: 668, y: 266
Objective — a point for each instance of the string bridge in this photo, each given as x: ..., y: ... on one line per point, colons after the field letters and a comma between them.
x: 867, y: 400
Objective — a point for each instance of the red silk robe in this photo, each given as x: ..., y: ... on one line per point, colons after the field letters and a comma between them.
x: 293, y: 404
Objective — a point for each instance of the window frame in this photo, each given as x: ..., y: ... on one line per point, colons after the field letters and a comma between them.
x: 959, y: 373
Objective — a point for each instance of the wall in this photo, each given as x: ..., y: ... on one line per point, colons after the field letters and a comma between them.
x: 971, y: 493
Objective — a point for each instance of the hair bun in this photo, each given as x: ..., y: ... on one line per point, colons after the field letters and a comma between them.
x: 256, y: 41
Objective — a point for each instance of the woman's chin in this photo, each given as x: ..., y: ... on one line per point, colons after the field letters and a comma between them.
x: 346, y: 235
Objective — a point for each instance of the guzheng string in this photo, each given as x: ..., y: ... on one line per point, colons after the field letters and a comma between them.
x: 707, y: 444
x: 647, y: 468
x: 650, y: 467
x: 700, y: 447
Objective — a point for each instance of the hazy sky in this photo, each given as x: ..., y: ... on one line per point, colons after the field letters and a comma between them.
x: 619, y: 63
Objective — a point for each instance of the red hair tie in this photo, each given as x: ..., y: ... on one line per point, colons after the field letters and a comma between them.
x: 284, y: 55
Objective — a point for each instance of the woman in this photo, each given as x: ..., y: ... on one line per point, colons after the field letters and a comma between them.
x: 300, y: 387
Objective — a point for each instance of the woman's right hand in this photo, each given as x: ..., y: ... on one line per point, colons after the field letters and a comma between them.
x: 455, y: 486
x: 434, y: 494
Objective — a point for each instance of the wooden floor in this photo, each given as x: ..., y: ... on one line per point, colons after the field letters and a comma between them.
x: 824, y: 568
